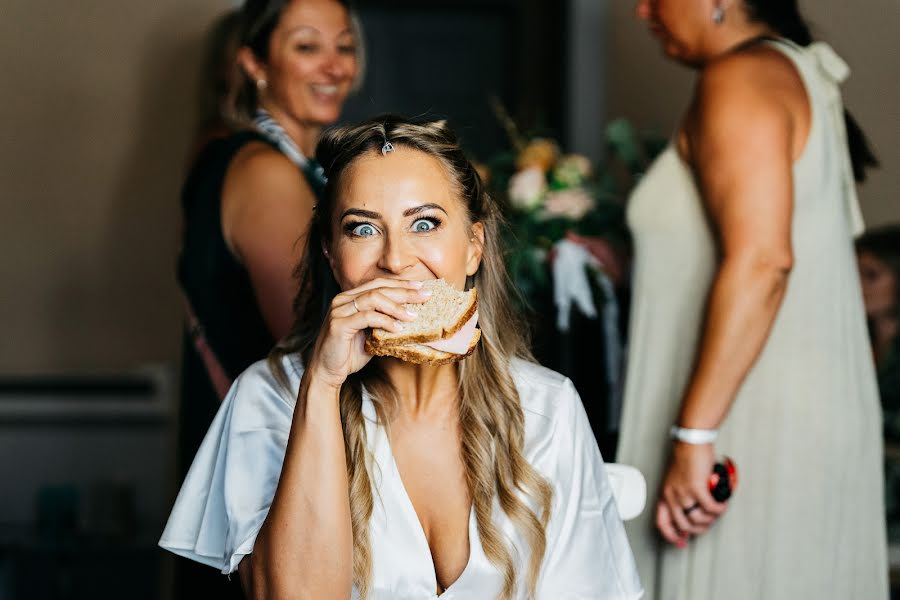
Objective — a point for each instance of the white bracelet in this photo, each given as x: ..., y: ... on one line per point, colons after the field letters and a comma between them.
x: 693, y: 436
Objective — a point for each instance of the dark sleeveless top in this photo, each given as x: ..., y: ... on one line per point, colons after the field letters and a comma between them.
x: 219, y: 290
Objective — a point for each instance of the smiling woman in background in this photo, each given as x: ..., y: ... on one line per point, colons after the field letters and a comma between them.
x: 248, y: 199
x: 748, y: 332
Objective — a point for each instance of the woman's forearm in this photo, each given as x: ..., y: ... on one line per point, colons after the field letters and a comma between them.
x: 741, y: 309
x: 304, y: 549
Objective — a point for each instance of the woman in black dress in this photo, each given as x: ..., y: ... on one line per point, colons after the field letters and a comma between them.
x: 248, y: 200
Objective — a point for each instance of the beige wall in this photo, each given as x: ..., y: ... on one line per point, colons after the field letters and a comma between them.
x: 97, y: 108
x: 653, y: 93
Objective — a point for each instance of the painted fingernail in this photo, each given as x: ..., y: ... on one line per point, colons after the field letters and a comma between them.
x: 681, y: 544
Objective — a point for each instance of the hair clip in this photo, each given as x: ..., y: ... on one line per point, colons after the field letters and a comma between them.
x: 388, y: 147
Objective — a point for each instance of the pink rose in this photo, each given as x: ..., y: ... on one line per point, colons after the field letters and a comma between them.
x: 572, y: 204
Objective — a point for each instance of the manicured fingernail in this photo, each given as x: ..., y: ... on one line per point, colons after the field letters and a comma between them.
x: 412, y: 313
x: 416, y: 284
x: 425, y: 293
x: 681, y: 544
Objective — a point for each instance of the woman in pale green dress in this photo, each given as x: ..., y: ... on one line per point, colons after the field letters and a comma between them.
x: 748, y: 331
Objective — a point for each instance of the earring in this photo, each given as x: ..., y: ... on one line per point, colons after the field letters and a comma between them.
x: 718, y: 15
x: 261, y: 84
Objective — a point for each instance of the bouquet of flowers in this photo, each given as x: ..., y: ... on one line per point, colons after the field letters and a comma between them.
x: 549, y: 195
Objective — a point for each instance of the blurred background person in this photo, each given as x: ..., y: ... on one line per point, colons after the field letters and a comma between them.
x: 878, y: 255
x: 748, y: 334
x: 247, y: 204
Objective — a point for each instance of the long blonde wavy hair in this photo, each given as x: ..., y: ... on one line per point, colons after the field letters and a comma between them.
x: 491, y: 419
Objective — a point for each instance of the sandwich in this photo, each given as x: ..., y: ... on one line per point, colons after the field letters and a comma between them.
x: 444, y: 331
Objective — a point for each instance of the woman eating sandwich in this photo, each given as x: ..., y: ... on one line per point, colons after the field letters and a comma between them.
x: 449, y: 464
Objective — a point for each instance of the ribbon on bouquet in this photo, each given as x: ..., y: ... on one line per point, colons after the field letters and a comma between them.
x: 571, y: 286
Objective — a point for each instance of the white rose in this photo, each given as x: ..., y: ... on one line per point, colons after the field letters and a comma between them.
x: 527, y: 188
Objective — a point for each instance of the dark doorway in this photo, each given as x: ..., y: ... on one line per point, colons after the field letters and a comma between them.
x: 445, y: 59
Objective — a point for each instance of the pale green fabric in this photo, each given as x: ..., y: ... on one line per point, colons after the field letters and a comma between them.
x: 805, y: 429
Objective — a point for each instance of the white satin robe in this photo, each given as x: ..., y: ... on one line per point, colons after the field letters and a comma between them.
x: 228, y: 491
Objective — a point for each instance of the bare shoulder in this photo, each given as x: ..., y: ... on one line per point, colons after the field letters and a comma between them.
x: 258, y: 165
x: 756, y: 82
x: 265, y: 198
x: 756, y: 96
x: 262, y: 180
x: 757, y: 69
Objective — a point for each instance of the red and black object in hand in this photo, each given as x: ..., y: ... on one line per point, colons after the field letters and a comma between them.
x: 723, y: 480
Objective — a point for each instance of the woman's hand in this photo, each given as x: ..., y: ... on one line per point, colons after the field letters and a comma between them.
x: 378, y: 303
x: 685, y: 506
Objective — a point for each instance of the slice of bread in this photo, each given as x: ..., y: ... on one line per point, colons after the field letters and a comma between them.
x: 420, y: 354
x: 446, y: 312
x: 439, y: 317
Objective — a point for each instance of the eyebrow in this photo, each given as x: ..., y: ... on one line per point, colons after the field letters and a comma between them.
x: 419, y: 209
x: 359, y: 212
x: 310, y: 28
x: 369, y: 214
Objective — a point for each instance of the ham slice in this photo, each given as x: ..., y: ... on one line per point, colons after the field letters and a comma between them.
x: 460, y: 341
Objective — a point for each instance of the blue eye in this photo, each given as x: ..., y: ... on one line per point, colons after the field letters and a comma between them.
x: 363, y: 230
x: 424, y: 225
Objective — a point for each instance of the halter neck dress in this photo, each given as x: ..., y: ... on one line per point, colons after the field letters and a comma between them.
x: 807, y: 518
